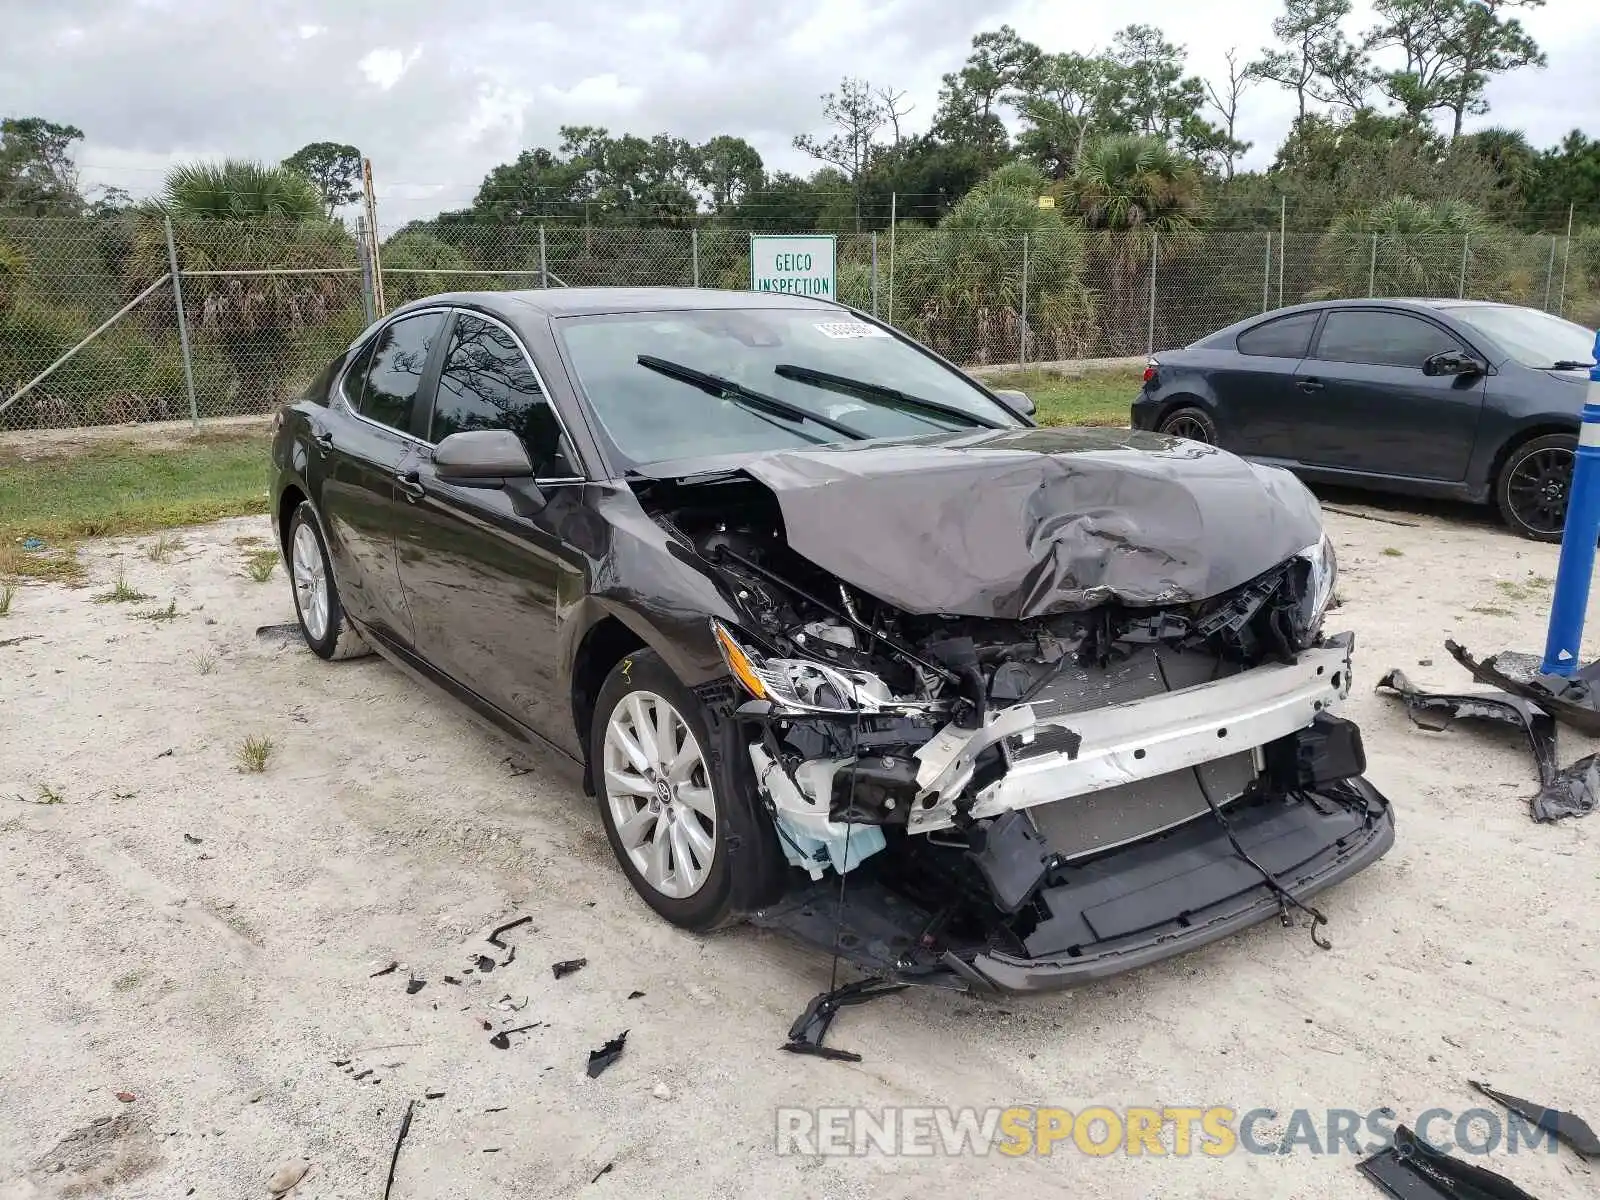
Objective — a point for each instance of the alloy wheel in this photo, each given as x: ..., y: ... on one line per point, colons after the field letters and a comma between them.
x: 1185, y: 426
x: 1538, y: 489
x: 659, y: 793
x: 310, y: 582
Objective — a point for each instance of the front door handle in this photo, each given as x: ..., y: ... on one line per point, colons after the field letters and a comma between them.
x: 1309, y: 385
x: 322, y: 438
x: 410, y: 485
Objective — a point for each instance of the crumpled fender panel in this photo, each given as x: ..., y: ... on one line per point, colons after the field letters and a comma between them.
x: 1012, y: 524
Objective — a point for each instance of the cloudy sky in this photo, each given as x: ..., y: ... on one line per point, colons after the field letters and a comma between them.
x: 438, y: 91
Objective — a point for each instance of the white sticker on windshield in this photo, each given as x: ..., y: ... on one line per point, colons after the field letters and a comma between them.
x: 850, y: 329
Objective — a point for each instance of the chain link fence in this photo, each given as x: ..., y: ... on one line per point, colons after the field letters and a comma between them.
x: 132, y: 319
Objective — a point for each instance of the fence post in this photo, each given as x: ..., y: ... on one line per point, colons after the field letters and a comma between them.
x: 1550, y: 273
x: 1283, y: 242
x: 544, y: 262
x: 1372, y: 268
x: 1150, y: 334
x: 694, y: 253
x: 893, y: 203
x: 874, y: 272
x: 364, y: 252
x: 1022, y: 338
x: 183, y: 324
x: 1466, y: 241
x: 1266, y: 275
x: 1566, y: 257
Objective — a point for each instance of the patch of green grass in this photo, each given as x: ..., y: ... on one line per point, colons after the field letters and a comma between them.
x: 58, y: 565
x: 1492, y: 610
x: 49, y: 795
x: 253, y: 754
x: 123, y: 794
x: 7, y: 593
x: 127, y: 981
x: 205, y: 662
x: 162, y: 549
x: 1093, y: 398
x: 248, y: 539
x: 124, y: 488
x: 122, y: 592
x: 1393, y: 552
x: 158, y: 614
x: 258, y: 564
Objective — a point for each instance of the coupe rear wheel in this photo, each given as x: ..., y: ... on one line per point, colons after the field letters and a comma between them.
x: 1534, y: 484
x: 316, y: 595
x: 1192, y: 423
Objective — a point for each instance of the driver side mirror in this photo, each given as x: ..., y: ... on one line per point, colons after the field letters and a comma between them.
x: 1017, y: 401
x: 1452, y: 362
x: 482, y: 458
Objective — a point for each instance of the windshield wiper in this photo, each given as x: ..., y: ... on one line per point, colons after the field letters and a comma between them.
x: 758, y: 402
x: 877, y: 391
x: 1567, y: 364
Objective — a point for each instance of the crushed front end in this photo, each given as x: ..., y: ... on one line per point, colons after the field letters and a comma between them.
x: 1023, y: 804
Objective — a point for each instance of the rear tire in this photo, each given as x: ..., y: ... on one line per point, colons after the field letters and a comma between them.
x: 1189, y: 422
x: 1534, y: 483
x: 323, y: 623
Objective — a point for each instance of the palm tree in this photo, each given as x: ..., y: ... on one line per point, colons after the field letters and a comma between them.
x: 961, y: 284
x: 232, y: 221
x: 1403, y: 246
x: 1137, y: 199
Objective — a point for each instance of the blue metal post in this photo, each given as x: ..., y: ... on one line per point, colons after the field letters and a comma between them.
x: 1573, y: 576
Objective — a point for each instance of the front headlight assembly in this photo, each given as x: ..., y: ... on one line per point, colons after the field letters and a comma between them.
x: 1323, y: 567
x: 801, y: 685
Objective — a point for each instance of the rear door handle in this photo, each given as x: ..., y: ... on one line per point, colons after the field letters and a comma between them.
x: 1309, y: 385
x: 410, y: 485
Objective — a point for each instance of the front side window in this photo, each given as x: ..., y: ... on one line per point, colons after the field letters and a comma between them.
x: 1531, y: 337
x: 860, y: 379
x: 1282, y: 337
x: 487, y: 383
x: 1383, y: 339
x: 399, y: 355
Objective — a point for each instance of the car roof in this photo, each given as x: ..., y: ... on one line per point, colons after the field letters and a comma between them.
x: 591, y: 301
x: 1419, y: 302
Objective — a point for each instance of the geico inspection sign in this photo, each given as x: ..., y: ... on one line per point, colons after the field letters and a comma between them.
x: 802, y: 264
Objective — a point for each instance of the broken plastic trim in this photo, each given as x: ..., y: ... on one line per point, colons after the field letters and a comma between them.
x: 1569, y: 1127
x: 811, y: 1026
x: 1572, y: 701
x: 1411, y: 1169
x: 1571, y: 792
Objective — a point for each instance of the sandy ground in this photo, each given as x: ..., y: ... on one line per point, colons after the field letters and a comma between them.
x: 204, y: 940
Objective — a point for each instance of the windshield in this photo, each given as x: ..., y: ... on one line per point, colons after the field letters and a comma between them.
x: 653, y: 416
x: 1533, y: 338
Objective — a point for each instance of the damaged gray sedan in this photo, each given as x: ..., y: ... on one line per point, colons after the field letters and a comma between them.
x: 847, y: 646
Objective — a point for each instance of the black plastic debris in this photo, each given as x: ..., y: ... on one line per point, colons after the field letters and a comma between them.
x: 341, y: 1062
x: 605, y: 1170
x: 515, y: 768
x: 1563, y: 792
x: 602, y: 1058
x: 494, y: 935
x: 415, y: 986
x: 1411, y: 1169
x: 389, y: 970
x: 451, y: 979
x: 192, y: 840
x: 359, y: 1076
x: 433, y: 1095
x: 394, y: 1159
x: 568, y: 966
x: 485, y: 964
x: 635, y: 995
x: 811, y: 1027
x: 1569, y: 1127
x: 1012, y: 857
x: 1573, y: 700
x: 511, y: 957
x: 502, y: 1040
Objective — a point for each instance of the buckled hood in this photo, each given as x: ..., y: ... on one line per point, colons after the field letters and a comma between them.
x: 1020, y: 523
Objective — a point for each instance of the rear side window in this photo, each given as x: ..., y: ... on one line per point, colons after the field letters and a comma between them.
x: 487, y: 383
x: 1383, y: 339
x: 399, y: 355
x: 1281, y: 337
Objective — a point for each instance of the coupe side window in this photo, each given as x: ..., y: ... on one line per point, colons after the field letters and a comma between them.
x: 399, y: 356
x: 1384, y: 339
x: 487, y: 383
x: 1281, y: 337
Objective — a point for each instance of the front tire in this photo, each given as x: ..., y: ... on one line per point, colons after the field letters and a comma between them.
x: 673, y: 799
x: 1189, y: 422
x: 323, y: 623
x: 1533, y: 486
